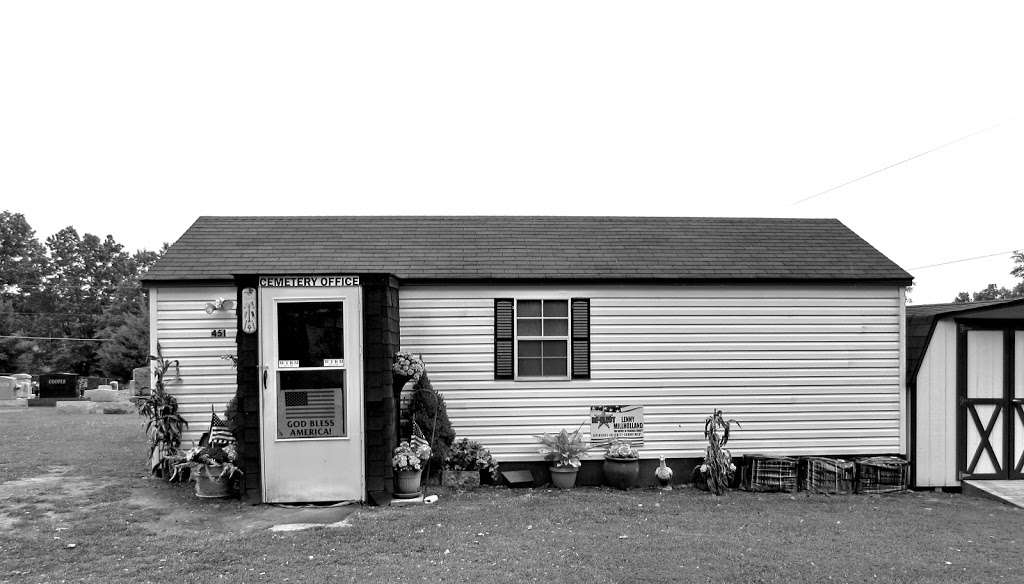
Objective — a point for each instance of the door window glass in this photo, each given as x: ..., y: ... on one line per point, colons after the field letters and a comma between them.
x: 311, y: 404
x: 310, y: 334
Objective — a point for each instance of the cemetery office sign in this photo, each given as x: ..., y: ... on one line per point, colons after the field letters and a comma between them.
x: 612, y: 423
x: 311, y: 281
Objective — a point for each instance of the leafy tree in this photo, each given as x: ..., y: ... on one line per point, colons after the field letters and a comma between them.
x: 993, y: 292
x: 22, y: 259
x: 71, y: 287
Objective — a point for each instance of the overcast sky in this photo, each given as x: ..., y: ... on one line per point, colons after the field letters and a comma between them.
x: 133, y: 118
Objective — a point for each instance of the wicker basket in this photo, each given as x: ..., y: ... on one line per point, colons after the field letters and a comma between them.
x: 882, y: 474
x: 833, y: 476
x: 767, y: 474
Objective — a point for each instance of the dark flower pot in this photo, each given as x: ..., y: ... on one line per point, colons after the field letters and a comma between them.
x: 564, y: 477
x: 407, y: 482
x: 621, y: 473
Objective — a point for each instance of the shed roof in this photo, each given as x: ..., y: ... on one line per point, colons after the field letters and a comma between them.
x: 921, y: 324
x: 531, y: 248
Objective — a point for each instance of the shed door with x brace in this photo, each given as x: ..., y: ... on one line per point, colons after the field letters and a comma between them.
x: 991, y: 396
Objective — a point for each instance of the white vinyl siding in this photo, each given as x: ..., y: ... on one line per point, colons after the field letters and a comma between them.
x: 806, y: 370
x: 179, y: 322
x: 935, y: 394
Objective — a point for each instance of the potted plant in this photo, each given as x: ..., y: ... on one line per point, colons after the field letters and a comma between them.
x: 466, y: 459
x: 213, y: 469
x: 621, y: 465
x: 164, y: 424
x: 407, y: 463
x: 717, y: 470
x: 564, y: 450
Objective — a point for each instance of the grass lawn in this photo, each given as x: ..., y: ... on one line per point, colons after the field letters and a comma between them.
x: 81, y: 480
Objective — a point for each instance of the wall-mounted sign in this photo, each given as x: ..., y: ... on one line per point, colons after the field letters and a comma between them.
x: 218, y: 333
x: 308, y: 281
x: 611, y: 423
x: 249, y: 310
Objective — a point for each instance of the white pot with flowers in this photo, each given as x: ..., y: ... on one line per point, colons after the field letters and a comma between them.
x: 407, y: 462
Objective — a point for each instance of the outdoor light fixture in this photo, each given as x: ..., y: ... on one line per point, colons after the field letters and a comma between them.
x: 219, y: 304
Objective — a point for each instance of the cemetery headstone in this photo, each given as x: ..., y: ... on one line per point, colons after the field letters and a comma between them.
x: 8, y: 385
x: 58, y: 385
x: 140, y: 375
x: 24, y: 389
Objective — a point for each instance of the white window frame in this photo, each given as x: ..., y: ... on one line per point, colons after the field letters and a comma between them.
x: 567, y: 337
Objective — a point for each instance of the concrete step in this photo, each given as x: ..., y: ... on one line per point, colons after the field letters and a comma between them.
x: 1009, y: 492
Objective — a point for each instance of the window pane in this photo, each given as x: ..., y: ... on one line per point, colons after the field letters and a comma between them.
x: 311, y: 404
x: 530, y: 348
x: 530, y: 367
x: 555, y: 367
x: 554, y: 349
x: 556, y: 327
x: 556, y: 308
x: 309, y: 332
x: 529, y: 327
x: 528, y: 308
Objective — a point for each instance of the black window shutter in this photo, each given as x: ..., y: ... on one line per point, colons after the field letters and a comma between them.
x: 581, y: 338
x: 504, y: 352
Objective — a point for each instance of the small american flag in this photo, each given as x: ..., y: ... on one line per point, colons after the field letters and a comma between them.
x: 418, y: 441
x: 219, y: 433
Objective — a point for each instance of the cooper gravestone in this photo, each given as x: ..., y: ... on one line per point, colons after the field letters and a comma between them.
x: 58, y: 385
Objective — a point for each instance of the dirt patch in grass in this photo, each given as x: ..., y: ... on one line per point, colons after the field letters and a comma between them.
x: 43, y: 500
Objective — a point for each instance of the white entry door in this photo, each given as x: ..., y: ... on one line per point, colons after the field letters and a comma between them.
x: 311, y: 394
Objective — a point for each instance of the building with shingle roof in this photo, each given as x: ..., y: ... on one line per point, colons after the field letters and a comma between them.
x: 528, y: 248
x: 965, y: 375
x: 528, y: 325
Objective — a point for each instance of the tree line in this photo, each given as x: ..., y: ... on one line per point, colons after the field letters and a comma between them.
x: 993, y: 292
x: 72, y: 303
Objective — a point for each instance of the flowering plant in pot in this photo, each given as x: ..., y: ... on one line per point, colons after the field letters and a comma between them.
x: 621, y: 465
x: 465, y: 461
x: 407, y: 463
x: 564, y: 451
x: 717, y: 470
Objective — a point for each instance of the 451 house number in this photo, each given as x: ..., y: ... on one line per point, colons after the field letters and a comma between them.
x: 218, y: 333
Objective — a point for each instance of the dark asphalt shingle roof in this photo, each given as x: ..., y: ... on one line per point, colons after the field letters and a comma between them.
x: 474, y: 248
x: 921, y: 321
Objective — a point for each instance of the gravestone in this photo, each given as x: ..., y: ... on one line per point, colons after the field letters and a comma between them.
x: 140, y: 375
x: 76, y: 407
x: 105, y: 393
x: 58, y: 385
x: 8, y: 387
x: 24, y: 389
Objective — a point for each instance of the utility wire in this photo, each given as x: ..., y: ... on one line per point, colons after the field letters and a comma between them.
x: 895, y: 164
x: 54, y: 338
x: 990, y: 255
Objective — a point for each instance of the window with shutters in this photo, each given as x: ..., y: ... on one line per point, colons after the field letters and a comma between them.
x: 541, y: 338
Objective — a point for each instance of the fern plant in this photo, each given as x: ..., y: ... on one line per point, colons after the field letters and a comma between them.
x: 164, y: 425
